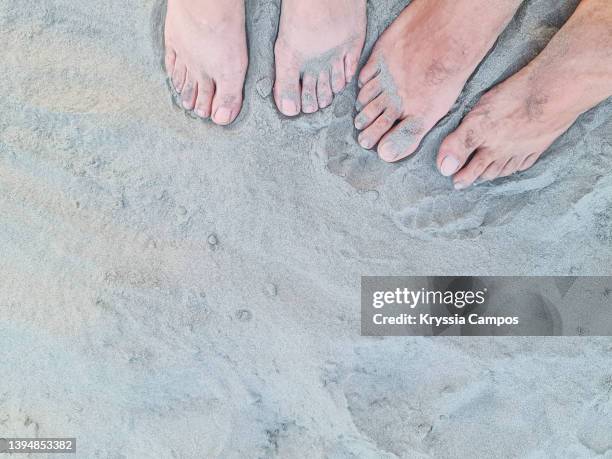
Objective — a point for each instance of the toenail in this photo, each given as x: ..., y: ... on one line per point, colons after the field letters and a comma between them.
x: 359, y: 121
x: 223, y: 115
x: 449, y: 166
x: 460, y: 186
x: 387, y: 151
x: 365, y: 143
x: 288, y: 107
x: 201, y: 113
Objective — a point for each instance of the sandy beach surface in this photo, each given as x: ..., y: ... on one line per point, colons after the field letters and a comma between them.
x: 170, y: 288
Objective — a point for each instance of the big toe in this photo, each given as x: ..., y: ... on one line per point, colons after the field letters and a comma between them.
x: 227, y: 103
x: 403, y: 139
x: 458, y: 146
x: 287, y: 91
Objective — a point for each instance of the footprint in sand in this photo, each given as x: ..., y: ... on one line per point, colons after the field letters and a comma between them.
x: 596, y: 430
x: 419, y: 201
x: 343, y: 157
x: 422, y: 203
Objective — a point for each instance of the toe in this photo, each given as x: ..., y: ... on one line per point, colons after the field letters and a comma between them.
x: 492, y: 171
x: 458, y: 146
x: 350, y: 66
x: 402, y: 140
x: 226, y: 103
x: 369, y: 71
x: 511, y: 167
x: 287, y: 93
x: 169, y: 61
x: 338, y: 79
x: 369, y: 92
x: 529, y: 161
x: 178, y: 76
x: 206, y: 91
x: 371, y: 136
x: 189, y: 92
x: 474, y: 169
x: 309, y: 93
x: 371, y: 111
x: 324, y: 91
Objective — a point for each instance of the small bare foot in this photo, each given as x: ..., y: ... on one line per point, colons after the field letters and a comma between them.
x: 206, y: 56
x: 514, y: 123
x: 317, y: 52
x: 419, y: 67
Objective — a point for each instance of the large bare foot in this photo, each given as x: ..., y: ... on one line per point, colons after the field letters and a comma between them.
x: 206, y: 56
x: 317, y: 52
x: 419, y: 67
x: 513, y: 124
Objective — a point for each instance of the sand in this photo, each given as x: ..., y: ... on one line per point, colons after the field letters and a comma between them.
x: 170, y: 288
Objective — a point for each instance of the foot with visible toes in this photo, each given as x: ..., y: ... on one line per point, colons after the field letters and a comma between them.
x: 206, y: 56
x: 419, y: 67
x: 514, y: 123
x: 317, y: 52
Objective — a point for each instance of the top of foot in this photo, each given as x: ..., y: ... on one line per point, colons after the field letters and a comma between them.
x: 317, y: 52
x: 514, y: 124
x: 206, y: 56
x: 419, y: 67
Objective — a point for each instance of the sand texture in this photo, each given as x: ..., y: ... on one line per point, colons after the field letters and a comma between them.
x: 170, y: 288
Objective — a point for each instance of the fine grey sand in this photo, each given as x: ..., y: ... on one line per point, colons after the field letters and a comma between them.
x: 170, y: 288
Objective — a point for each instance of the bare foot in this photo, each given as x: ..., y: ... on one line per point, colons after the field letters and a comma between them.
x: 419, y: 67
x: 514, y: 123
x: 206, y: 56
x: 319, y: 42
